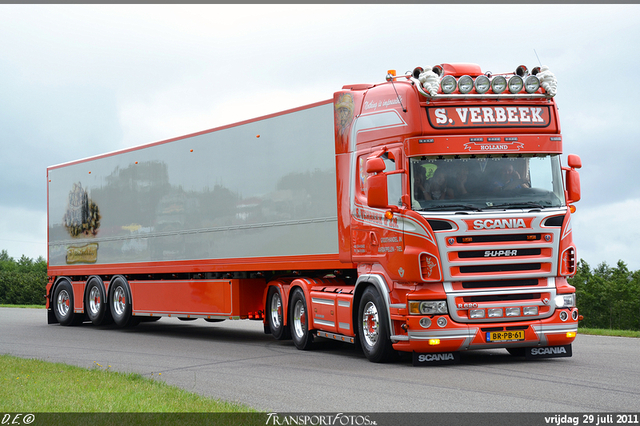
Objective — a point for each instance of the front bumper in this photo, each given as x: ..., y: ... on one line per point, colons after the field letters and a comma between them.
x: 454, y: 336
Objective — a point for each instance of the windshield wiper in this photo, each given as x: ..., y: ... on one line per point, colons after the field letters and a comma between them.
x: 442, y: 207
x: 520, y: 205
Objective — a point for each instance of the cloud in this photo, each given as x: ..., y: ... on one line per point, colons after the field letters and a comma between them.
x: 24, y: 232
x: 608, y: 233
x: 81, y: 80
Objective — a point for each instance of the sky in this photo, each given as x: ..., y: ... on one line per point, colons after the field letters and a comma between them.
x: 81, y: 80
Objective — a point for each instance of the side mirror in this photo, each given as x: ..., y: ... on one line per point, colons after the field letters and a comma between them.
x: 574, y: 161
x: 573, y: 186
x: 573, y: 178
x: 375, y: 165
x: 377, y: 195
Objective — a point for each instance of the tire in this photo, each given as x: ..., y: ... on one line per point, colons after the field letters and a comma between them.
x: 299, y: 321
x: 120, y: 303
x: 275, y: 312
x: 96, y: 304
x: 373, y: 323
x: 63, y: 304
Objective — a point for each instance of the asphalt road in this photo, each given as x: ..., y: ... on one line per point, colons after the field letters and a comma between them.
x: 236, y: 361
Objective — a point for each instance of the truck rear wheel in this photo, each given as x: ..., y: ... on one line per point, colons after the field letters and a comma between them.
x: 299, y: 321
x: 276, y: 318
x: 96, y: 302
x: 374, y: 327
x: 63, y: 303
x: 121, y: 303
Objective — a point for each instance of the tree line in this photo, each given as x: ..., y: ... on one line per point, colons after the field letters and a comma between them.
x: 607, y: 297
x: 22, y: 281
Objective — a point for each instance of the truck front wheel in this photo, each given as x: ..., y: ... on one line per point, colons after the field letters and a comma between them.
x: 374, y: 327
x: 299, y: 321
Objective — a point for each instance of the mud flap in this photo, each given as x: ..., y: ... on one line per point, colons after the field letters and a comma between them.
x: 442, y: 358
x: 548, y: 352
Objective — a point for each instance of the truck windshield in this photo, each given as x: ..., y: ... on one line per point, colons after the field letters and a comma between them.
x: 484, y: 182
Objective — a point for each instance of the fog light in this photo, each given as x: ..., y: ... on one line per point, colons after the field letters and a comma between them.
x: 434, y: 342
x: 476, y: 313
x: 515, y: 84
x: 564, y: 315
x: 465, y: 84
x: 448, y: 84
x: 425, y: 322
x: 530, y: 310
x: 531, y: 84
x: 442, y: 322
x: 571, y: 334
x: 498, y: 84
x: 494, y: 313
x: 513, y: 312
x: 574, y: 315
x: 482, y: 84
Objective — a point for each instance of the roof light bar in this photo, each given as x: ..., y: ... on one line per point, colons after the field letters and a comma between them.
x: 434, y: 83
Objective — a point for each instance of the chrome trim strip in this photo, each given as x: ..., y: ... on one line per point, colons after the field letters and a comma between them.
x: 323, y: 322
x: 399, y: 338
x: 321, y: 301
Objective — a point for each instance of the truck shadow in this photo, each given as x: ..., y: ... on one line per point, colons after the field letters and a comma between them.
x: 239, y: 332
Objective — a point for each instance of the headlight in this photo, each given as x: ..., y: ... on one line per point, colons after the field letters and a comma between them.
x: 431, y: 307
x: 515, y: 84
x: 531, y: 84
x: 465, y: 84
x: 498, y: 84
x: 482, y: 84
x: 448, y: 84
x: 566, y: 300
x: 476, y: 313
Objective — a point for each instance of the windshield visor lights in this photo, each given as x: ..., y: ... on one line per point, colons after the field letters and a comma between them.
x: 430, y: 307
x: 448, y: 84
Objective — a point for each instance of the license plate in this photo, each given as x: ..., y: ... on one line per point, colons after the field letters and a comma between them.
x: 505, y: 336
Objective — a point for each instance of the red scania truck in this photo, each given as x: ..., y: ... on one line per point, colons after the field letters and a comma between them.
x: 428, y: 214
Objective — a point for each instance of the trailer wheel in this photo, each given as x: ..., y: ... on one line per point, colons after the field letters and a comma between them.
x: 374, y: 327
x: 63, y: 303
x: 276, y: 318
x: 96, y: 303
x: 299, y: 321
x: 120, y: 302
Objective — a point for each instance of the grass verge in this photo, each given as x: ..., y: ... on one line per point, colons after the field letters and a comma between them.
x: 23, y: 306
x: 35, y: 386
x: 604, y: 332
